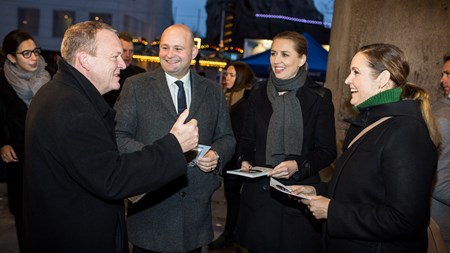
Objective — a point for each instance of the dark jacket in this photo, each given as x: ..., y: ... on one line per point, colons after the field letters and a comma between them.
x: 237, y: 118
x: 177, y: 217
x: 270, y: 221
x: 380, y: 190
x: 75, y: 179
x: 15, y: 113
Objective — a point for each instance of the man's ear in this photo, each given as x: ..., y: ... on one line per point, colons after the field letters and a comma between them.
x: 194, y: 52
x: 83, y: 60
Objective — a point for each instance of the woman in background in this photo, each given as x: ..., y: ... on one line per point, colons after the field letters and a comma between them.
x: 237, y: 81
x: 22, y: 76
x: 290, y: 128
x: 379, y: 197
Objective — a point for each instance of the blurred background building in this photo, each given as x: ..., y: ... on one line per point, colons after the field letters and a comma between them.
x: 233, y: 21
x: 235, y: 29
x: 47, y: 20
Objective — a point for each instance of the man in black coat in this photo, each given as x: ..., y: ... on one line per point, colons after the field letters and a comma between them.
x: 75, y: 180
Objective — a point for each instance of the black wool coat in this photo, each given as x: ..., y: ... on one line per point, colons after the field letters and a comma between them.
x: 75, y: 180
x: 270, y: 221
x: 380, y: 190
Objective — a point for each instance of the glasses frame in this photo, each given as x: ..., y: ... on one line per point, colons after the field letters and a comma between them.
x: 27, y: 53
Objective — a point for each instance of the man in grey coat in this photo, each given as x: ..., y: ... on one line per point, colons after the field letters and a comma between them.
x: 440, y: 201
x: 177, y: 217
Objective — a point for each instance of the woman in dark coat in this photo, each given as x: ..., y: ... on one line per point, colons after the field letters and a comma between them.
x: 379, y: 197
x: 22, y: 76
x: 237, y: 81
x: 290, y: 127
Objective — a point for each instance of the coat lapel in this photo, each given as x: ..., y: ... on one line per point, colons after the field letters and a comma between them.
x: 198, y: 91
x: 162, y: 88
x: 342, y: 161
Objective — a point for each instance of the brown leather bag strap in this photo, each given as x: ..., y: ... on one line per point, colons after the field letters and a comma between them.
x: 367, y: 129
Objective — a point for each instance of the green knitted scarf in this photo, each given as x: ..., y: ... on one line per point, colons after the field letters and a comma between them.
x: 384, y: 97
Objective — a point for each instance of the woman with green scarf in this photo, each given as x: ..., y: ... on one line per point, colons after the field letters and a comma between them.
x: 289, y: 127
x: 379, y: 197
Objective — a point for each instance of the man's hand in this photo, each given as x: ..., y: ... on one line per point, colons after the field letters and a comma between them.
x: 186, y: 133
x: 208, y: 162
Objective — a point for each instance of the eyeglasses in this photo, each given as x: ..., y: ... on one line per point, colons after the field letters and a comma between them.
x: 27, y: 53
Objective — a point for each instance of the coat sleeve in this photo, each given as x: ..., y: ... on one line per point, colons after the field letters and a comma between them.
x: 224, y: 142
x: 93, y: 161
x: 441, y: 191
x: 399, y: 205
x: 323, y: 151
x: 246, y: 147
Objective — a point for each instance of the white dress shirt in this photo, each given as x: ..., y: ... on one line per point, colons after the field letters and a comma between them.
x: 174, y: 88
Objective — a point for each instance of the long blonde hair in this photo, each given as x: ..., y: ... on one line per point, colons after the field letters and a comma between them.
x: 414, y: 92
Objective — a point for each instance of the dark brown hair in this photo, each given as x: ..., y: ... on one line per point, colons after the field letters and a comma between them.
x: 300, y: 44
x: 13, y: 40
x: 125, y: 36
x: 387, y: 57
x: 244, y: 76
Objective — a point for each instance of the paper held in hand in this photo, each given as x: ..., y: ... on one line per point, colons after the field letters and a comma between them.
x: 192, y: 158
x: 253, y: 173
x: 283, y: 188
x: 195, y: 154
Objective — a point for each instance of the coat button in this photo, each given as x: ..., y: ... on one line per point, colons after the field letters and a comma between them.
x: 183, y: 194
x: 265, y: 187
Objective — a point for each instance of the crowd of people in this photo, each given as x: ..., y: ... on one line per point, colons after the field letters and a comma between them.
x: 102, y: 130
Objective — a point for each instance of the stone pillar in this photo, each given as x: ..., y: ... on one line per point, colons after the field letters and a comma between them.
x: 421, y: 28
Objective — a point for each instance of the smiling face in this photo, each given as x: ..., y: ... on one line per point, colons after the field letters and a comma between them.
x: 105, y: 66
x: 26, y: 64
x: 177, y: 50
x: 361, y: 82
x: 284, y: 60
x: 445, y: 78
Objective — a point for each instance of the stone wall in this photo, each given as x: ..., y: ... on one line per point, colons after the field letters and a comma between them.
x: 421, y: 28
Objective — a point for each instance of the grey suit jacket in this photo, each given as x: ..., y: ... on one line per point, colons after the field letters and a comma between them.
x: 440, y: 202
x: 177, y: 217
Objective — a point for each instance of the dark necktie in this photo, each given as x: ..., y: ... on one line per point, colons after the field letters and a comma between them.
x: 181, y: 96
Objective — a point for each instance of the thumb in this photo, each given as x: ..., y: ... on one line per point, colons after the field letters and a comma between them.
x: 182, y: 118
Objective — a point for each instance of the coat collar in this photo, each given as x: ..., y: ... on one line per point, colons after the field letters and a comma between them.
x: 370, y: 114
x: 80, y: 82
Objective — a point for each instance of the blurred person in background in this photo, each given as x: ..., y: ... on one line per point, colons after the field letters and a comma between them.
x: 440, y: 201
x: 127, y: 55
x: 23, y: 75
x: 237, y: 82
